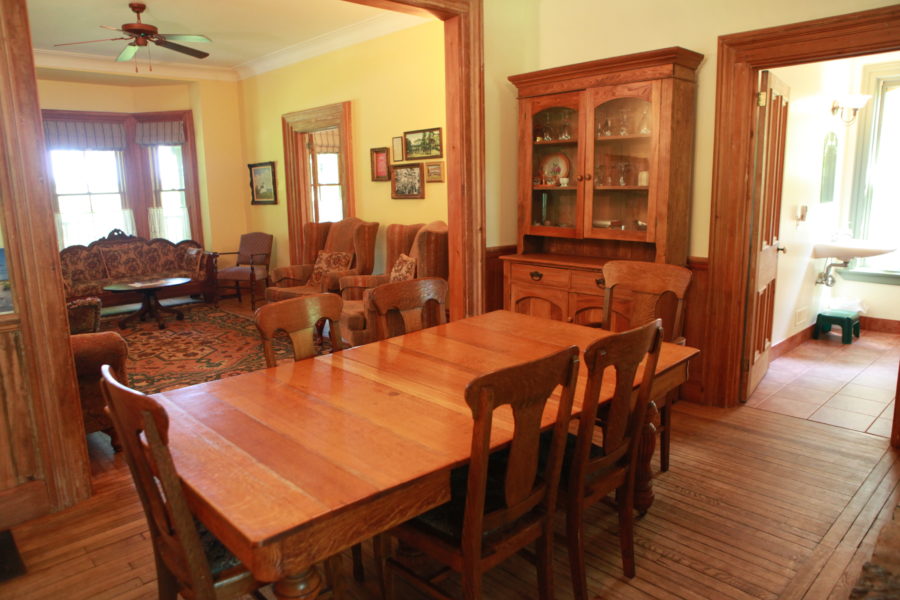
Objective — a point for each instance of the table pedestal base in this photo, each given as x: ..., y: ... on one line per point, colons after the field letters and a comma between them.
x: 150, y: 306
x: 302, y: 586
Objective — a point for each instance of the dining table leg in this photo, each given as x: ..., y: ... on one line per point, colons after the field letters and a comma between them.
x: 643, y: 484
x: 305, y: 585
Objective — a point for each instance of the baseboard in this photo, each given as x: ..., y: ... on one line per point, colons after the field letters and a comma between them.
x: 876, y: 324
x: 788, y: 344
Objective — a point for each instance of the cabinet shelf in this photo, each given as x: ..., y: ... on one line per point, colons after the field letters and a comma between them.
x: 618, y: 138
x: 569, y: 142
x: 624, y: 188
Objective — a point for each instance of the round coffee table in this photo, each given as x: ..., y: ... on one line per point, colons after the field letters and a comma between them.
x: 150, y: 303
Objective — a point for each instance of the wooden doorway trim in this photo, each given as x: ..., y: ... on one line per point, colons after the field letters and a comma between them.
x: 741, y: 56
x: 463, y: 56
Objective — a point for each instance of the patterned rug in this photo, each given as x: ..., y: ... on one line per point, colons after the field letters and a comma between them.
x: 208, y: 344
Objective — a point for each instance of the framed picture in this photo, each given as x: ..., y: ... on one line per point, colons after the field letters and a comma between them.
x: 424, y: 143
x: 397, y: 149
x: 381, y: 170
x: 407, y: 181
x: 262, y: 183
x: 434, y: 171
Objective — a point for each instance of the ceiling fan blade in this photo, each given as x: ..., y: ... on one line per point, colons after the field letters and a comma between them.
x: 182, y: 49
x: 92, y: 41
x: 185, y: 37
x: 110, y: 27
x: 127, y: 53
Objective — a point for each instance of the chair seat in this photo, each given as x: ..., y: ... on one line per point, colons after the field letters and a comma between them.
x: 242, y: 273
x: 219, y: 557
x: 274, y: 294
x: 354, y: 316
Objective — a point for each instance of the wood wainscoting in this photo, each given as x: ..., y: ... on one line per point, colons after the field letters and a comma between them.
x: 696, y: 319
x: 493, y: 276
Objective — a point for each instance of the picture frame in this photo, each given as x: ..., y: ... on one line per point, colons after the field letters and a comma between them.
x: 423, y: 143
x: 262, y: 183
x: 407, y: 181
x: 381, y: 167
x: 397, y: 149
x: 434, y: 171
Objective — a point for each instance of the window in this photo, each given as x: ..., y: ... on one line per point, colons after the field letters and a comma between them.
x: 117, y: 171
x: 88, y: 189
x: 325, y: 176
x: 875, y: 207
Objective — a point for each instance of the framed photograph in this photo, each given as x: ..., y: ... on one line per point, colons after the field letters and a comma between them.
x: 397, y: 149
x: 262, y: 183
x: 424, y: 143
x: 434, y: 171
x: 381, y: 170
x: 407, y: 181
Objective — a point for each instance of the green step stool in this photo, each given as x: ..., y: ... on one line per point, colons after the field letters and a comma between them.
x: 848, y: 320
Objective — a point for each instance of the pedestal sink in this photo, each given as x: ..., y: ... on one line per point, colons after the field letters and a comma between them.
x: 844, y: 251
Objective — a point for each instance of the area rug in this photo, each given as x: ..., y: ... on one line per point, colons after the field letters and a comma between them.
x: 208, y: 344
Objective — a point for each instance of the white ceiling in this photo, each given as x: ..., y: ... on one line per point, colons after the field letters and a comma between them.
x: 248, y: 36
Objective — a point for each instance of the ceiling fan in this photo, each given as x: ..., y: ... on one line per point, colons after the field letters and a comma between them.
x: 141, y: 34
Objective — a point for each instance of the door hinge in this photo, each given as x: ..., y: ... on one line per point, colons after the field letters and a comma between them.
x: 762, y: 98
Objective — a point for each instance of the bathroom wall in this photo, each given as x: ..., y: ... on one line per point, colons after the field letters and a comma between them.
x: 797, y: 298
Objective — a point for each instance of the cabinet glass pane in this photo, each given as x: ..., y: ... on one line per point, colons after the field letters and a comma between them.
x: 554, y: 167
x: 622, y: 171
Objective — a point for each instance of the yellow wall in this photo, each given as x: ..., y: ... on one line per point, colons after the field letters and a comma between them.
x: 394, y: 83
x: 572, y: 31
x: 69, y: 95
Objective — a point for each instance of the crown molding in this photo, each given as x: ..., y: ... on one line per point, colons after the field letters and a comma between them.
x: 72, y: 61
x: 369, y: 29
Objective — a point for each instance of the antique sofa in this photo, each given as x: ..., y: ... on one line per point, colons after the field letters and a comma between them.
x: 120, y: 258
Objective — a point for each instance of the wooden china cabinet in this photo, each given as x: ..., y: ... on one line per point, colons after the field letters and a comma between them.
x: 605, y: 155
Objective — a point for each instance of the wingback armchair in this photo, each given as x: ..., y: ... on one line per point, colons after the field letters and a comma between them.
x: 323, y: 242
x: 426, y: 244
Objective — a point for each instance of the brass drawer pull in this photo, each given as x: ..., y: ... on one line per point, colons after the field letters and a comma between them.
x: 536, y: 275
x: 600, y: 281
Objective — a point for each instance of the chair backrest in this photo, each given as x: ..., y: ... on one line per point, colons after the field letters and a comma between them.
x: 255, y: 249
x: 638, y: 292
x: 622, y: 353
x: 398, y: 240
x: 298, y: 318
x: 428, y: 244
x: 352, y: 235
x: 171, y: 523
x: 404, y: 306
x: 526, y: 487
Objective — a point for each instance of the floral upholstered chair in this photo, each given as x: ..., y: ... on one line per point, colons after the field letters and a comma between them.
x: 326, y: 247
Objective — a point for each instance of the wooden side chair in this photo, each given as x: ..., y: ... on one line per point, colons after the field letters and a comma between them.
x: 499, y: 503
x: 252, y: 265
x: 597, y: 470
x: 190, y: 561
x: 637, y: 293
x: 404, y: 306
x: 300, y: 318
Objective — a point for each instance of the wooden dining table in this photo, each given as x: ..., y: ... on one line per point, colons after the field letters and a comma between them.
x: 292, y: 464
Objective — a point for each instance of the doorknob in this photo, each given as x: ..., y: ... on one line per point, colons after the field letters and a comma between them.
x: 780, y: 248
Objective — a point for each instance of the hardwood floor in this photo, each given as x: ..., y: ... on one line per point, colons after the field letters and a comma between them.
x: 755, y: 505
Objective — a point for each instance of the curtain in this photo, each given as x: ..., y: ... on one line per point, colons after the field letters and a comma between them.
x: 159, y: 133
x: 84, y: 135
x: 171, y: 224
x: 326, y: 140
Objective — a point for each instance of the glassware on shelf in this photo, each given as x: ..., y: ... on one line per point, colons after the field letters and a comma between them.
x: 623, y: 173
x: 547, y: 132
x: 565, y: 133
x: 624, y: 121
x: 644, y: 123
x: 604, y: 126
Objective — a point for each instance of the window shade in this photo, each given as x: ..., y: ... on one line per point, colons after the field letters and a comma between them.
x: 158, y: 133
x: 326, y: 140
x: 84, y: 135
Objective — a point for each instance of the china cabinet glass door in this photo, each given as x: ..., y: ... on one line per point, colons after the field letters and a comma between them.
x: 555, y: 166
x: 623, y: 158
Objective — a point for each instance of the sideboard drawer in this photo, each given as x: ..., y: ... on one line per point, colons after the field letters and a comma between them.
x: 587, y: 282
x: 539, y: 275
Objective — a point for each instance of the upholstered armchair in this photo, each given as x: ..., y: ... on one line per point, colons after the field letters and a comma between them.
x: 91, y: 349
x: 330, y: 251
x: 252, y: 264
x: 426, y: 245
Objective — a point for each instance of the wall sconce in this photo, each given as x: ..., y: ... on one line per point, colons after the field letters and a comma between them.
x: 847, y: 107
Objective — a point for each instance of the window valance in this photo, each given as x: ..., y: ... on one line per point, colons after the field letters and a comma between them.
x: 159, y: 133
x: 84, y: 135
x: 326, y: 140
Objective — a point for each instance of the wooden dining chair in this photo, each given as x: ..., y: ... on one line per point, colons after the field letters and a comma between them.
x: 499, y: 502
x: 300, y: 318
x: 637, y: 293
x: 190, y: 561
x: 405, y: 306
x: 597, y: 470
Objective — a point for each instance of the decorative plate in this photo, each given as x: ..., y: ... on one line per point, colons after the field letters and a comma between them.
x: 555, y: 165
